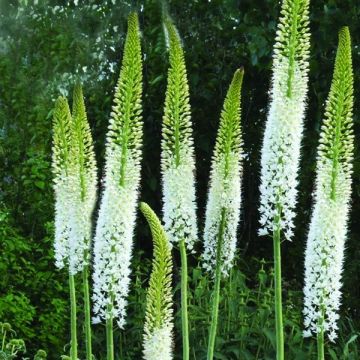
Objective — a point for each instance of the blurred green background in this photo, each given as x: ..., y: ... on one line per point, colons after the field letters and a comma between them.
x: 46, y: 45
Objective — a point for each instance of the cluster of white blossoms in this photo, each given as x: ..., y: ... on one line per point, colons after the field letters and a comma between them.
x: 83, y: 178
x: 159, y: 343
x: 75, y: 182
x: 328, y: 228
x: 62, y: 203
x: 80, y: 223
x: 62, y: 185
x: 115, y: 226
x: 73, y: 223
x: 224, y: 198
x: 325, y: 252
x: 114, y: 239
x: 177, y: 156
x: 179, y: 206
x: 284, y: 127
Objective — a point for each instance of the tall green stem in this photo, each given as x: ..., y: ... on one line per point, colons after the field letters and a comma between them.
x: 320, y: 345
x: 184, y: 307
x: 278, y: 296
x: 109, y: 339
x: 320, y: 336
x: 216, y: 294
x: 87, y: 313
x: 3, y: 341
x: 73, y: 350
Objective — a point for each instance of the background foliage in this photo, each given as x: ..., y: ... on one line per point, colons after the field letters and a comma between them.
x: 46, y: 44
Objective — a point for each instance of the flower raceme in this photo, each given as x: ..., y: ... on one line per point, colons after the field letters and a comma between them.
x: 62, y: 185
x: 224, y: 196
x: 158, y: 337
x: 284, y: 127
x: 178, y: 166
x: 114, y: 231
x: 75, y: 177
x: 328, y: 227
x: 177, y: 156
x: 84, y: 173
x: 282, y: 139
x: 223, y: 205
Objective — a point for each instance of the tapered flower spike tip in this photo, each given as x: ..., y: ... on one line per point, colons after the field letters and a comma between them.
x: 78, y: 110
x: 280, y: 155
x: 60, y: 167
x: 62, y: 136
x: 115, y: 226
x: 84, y: 180
x: 177, y: 155
x: 126, y: 125
x: 229, y: 136
x: 328, y: 228
x: 224, y: 198
x: 158, y: 337
x: 83, y: 142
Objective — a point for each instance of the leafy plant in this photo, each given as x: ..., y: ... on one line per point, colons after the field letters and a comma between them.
x: 11, y: 347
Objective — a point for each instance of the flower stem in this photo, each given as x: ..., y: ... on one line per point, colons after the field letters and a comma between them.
x: 216, y: 294
x: 73, y: 349
x: 3, y: 341
x: 320, y: 336
x: 109, y: 338
x: 278, y: 296
x: 320, y: 345
x: 184, y: 307
x: 87, y: 313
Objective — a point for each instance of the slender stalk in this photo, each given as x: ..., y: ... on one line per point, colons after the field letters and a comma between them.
x: 320, y: 336
x: 73, y: 349
x: 3, y: 341
x: 278, y: 296
x: 229, y: 307
x: 87, y: 313
x: 109, y: 339
x: 216, y: 296
x: 184, y: 307
x: 320, y: 345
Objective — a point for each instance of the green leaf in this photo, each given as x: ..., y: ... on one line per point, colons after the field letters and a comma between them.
x: 40, y: 184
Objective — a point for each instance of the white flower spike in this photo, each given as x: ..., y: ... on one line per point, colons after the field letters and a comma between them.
x: 117, y: 215
x: 62, y: 185
x: 83, y: 173
x: 177, y: 155
x: 224, y: 198
x: 284, y: 127
x: 326, y: 240
x: 75, y: 178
